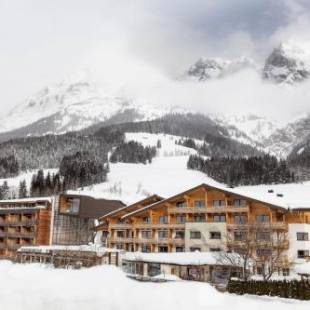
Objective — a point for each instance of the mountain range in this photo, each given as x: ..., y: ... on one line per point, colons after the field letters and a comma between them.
x: 76, y: 104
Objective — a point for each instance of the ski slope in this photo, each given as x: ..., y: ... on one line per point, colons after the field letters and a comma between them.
x: 165, y: 176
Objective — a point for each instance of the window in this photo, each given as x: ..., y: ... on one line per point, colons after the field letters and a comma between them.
x: 146, y: 220
x: 179, y: 249
x: 153, y: 269
x: 195, y: 249
x: 74, y: 205
x: 120, y: 234
x: 146, y: 234
x: 302, y: 236
x: 263, y: 236
x: 162, y: 249
x: 215, y: 235
x: 199, y: 203
x: 181, y: 219
x: 262, y: 218
x: 240, y: 235
x: 146, y: 248
x: 302, y: 253
x: 195, y: 235
x: 199, y: 218
x: 181, y: 204
x: 240, y: 219
x: 239, y: 203
x: 120, y: 246
x: 219, y: 218
x: 264, y: 252
x: 285, y: 272
x: 215, y: 250
x: 179, y: 234
x: 162, y: 234
x: 163, y: 219
x: 219, y: 203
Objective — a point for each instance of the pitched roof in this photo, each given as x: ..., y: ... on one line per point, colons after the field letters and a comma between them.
x: 146, y: 201
x: 269, y: 202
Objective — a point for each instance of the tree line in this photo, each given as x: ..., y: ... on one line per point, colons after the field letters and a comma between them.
x: 133, y: 152
x: 265, y: 169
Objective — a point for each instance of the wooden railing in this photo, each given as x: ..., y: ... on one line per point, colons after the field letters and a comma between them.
x: 147, y: 241
x: 255, y: 225
x: 196, y: 210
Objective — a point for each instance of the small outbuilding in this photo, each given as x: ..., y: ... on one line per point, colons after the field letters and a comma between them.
x: 196, y: 266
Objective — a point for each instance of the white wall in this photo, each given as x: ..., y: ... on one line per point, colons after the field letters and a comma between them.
x: 294, y: 244
x: 205, y: 243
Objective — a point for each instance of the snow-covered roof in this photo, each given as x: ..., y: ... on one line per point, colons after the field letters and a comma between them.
x: 27, y: 200
x: 185, y: 258
x: 78, y: 248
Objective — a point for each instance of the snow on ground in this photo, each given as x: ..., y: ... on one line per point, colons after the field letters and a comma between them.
x: 165, y: 176
x: 33, y: 287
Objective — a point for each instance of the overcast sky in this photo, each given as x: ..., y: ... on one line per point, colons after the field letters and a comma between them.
x: 42, y: 41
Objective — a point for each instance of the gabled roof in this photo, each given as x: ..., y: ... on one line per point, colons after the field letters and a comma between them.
x: 144, y: 202
x: 224, y: 190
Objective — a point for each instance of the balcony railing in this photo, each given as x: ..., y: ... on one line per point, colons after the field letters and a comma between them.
x: 255, y: 225
x: 196, y: 210
x: 18, y: 223
x: 167, y: 226
x: 121, y: 226
x: 175, y: 241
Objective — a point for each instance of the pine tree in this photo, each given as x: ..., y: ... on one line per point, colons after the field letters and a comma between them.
x: 22, y: 191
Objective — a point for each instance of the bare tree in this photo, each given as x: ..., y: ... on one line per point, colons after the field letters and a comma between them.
x: 259, y: 247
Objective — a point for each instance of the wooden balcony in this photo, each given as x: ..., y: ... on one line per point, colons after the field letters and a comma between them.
x: 120, y: 226
x: 196, y: 210
x: 18, y: 223
x: 147, y: 241
x: 160, y: 226
x: 255, y: 225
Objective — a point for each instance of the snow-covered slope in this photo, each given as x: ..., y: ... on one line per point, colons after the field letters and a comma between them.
x: 257, y: 128
x: 166, y: 175
x: 214, y: 68
x: 283, y: 140
x: 288, y: 63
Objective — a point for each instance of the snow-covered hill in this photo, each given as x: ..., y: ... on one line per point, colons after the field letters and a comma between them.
x: 288, y: 63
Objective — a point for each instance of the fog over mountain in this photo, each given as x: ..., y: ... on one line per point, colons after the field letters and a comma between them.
x: 139, y: 50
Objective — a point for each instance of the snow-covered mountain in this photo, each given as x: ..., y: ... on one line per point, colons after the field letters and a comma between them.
x: 283, y: 140
x: 72, y: 105
x: 214, y: 68
x: 288, y: 63
x: 257, y: 128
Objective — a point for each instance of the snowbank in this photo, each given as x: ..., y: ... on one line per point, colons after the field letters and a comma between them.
x: 31, y: 287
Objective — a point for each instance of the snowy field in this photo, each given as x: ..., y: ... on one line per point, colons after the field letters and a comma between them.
x: 31, y: 287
